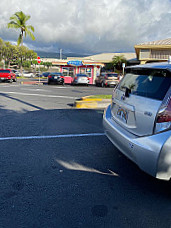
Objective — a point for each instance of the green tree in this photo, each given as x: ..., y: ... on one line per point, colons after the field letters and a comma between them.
x: 31, y: 55
x: 15, y: 55
x: 10, y: 52
x: 18, y: 21
x: 2, y: 52
x: 117, y: 61
x: 47, y: 64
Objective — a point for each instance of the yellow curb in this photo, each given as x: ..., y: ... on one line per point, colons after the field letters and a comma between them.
x: 82, y: 104
x: 92, y: 99
x: 87, y: 98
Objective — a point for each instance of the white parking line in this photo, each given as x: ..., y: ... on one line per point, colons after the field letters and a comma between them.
x: 41, y: 89
x: 40, y: 95
x: 5, y: 86
x: 52, y: 136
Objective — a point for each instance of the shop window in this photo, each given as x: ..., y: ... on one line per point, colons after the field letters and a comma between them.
x: 144, y: 54
x: 68, y: 71
x: 86, y: 70
x: 160, y: 54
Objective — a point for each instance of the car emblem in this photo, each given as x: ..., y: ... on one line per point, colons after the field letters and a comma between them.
x: 148, y: 113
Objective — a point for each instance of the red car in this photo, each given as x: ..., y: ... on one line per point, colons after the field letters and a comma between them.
x: 7, y: 75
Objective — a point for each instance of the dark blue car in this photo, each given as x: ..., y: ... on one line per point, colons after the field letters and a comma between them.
x: 55, y: 78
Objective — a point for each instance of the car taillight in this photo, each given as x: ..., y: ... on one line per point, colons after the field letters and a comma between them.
x: 61, y: 76
x: 75, y: 78
x: 49, y: 76
x: 163, y: 119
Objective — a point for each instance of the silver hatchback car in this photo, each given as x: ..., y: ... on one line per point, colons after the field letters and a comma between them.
x: 81, y: 79
x: 138, y: 121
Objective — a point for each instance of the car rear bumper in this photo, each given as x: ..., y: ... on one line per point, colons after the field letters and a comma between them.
x: 5, y: 79
x: 151, y: 153
x: 57, y: 81
x: 80, y: 83
x: 111, y: 83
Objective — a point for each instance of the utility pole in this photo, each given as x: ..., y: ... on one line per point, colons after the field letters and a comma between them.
x: 61, y: 53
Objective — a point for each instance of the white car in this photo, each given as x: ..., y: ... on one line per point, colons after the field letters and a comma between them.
x: 81, y: 79
x: 138, y: 121
x: 28, y: 74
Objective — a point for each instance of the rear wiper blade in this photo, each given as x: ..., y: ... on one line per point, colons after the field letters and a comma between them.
x: 127, y: 91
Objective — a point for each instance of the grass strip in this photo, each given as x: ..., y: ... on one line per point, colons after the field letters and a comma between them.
x: 100, y: 96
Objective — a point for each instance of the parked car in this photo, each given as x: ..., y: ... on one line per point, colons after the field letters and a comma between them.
x: 107, y: 79
x: 38, y: 75
x: 138, y: 121
x: 27, y: 74
x: 7, y: 75
x: 82, y: 79
x: 17, y: 73
x: 45, y: 74
x: 56, y: 78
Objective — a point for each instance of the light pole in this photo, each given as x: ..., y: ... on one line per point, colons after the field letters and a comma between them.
x: 60, y: 53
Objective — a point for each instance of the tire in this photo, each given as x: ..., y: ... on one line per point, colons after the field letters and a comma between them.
x: 103, y: 85
x: 49, y: 82
x: 11, y: 81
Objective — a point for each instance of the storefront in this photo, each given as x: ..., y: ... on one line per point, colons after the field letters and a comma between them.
x: 154, y: 51
x: 70, y: 68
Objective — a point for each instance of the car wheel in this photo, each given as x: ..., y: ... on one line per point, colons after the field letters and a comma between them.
x: 49, y: 82
x: 103, y: 85
x: 10, y: 81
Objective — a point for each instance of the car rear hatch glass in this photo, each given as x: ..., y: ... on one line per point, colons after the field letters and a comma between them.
x: 138, y: 97
x: 112, y: 76
x: 56, y: 76
x: 82, y: 78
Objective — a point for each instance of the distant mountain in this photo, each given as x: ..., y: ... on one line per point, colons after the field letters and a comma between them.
x: 43, y: 54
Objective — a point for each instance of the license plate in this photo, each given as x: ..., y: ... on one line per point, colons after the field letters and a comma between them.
x: 56, y: 77
x: 122, y: 114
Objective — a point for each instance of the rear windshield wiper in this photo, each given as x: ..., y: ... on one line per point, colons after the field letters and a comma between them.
x: 127, y: 91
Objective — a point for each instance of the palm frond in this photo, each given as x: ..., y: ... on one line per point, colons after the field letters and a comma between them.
x: 13, y: 24
x: 27, y: 17
x: 30, y: 34
x: 19, y: 39
x: 13, y: 18
x: 30, y: 27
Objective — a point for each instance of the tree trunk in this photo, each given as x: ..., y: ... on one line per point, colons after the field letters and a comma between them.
x: 21, y: 67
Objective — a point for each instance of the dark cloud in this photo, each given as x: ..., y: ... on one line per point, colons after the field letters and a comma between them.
x: 90, y: 26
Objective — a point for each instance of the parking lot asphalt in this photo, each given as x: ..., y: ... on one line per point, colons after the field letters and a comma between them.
x: 58, y: 169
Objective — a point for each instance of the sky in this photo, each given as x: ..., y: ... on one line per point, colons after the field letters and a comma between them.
x: 89, y: 26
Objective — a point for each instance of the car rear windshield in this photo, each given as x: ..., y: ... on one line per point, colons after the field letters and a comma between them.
x: 82, y: 75
x: 150, y: 83
x: 112, y: 75
x: 4, y: 71
x: 56, y: 74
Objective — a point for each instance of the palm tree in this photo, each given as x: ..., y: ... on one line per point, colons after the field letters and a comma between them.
x: 18, y: 21
x: 117, y: 61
